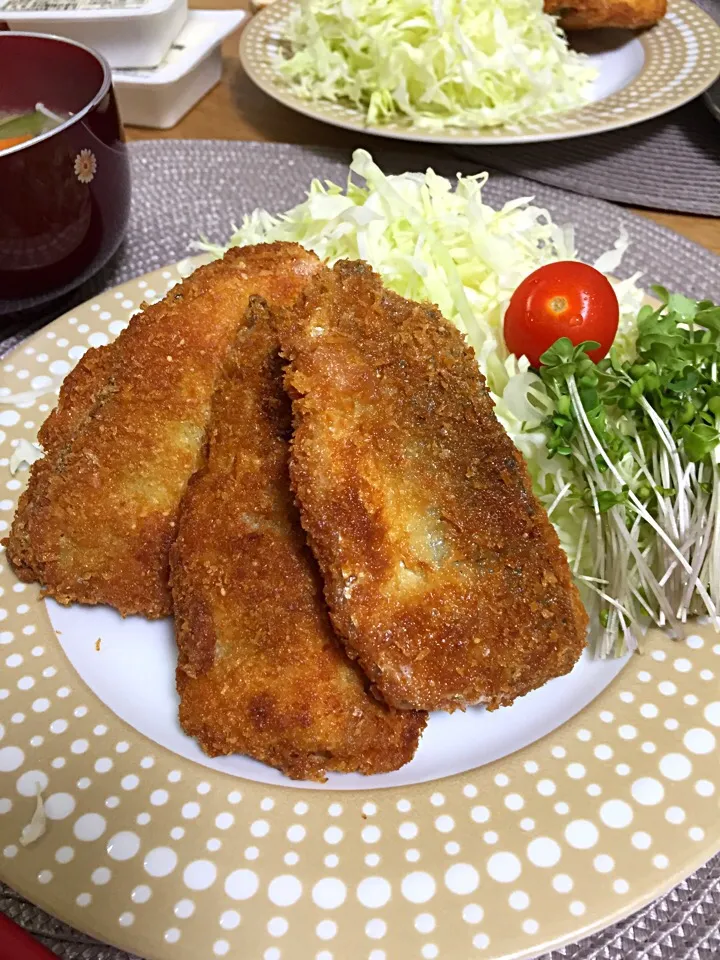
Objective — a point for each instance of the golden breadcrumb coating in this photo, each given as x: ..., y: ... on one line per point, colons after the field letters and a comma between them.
x: 442, y: 572
x: 261, y: 671
x: 597, y: 14
x: 97, y: 520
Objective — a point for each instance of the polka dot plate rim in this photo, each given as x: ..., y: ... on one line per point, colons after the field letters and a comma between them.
x: 165, y: 858
x: 662, y: 69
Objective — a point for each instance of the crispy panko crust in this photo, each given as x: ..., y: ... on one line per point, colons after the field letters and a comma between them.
x: 96, y: 522
x: 260, y: 670
x: 597, y: 14
x: 442, y: 572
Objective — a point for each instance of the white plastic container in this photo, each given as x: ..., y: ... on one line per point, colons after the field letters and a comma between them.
x: 129, y: 33
x: 160, y: 97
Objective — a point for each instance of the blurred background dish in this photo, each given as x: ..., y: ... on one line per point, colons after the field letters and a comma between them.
x: 160, y: 96
x: 638, y: 76
x: 64, y: 193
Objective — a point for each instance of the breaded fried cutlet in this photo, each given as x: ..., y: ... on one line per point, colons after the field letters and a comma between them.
x: 260, y: 670
x: 597, y: 14
x: 442, y: 572
x: 96, y: 522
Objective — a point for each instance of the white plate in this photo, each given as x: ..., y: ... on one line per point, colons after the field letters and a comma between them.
x: 133, y: 673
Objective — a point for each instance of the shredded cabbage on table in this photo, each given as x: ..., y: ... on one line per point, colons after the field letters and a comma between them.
x: 433, y: 63
x: 430, y: 241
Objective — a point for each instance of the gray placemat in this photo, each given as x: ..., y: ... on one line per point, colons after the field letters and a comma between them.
x: 670, y: 163
x: 186, y: 188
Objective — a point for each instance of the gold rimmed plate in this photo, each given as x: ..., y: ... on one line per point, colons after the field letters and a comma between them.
x: 640, y: 76
x: 509, y: 834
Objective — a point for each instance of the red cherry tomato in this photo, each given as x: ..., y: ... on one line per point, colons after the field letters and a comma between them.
x: 565, y: 299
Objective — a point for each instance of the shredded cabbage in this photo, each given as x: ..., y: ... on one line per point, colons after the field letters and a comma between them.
x: 435, y: 63
x: 429, y: 241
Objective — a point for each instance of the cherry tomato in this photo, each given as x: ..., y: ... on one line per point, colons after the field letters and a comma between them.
x: 565, y: 299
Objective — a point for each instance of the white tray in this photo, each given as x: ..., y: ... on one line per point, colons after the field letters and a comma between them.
x: 129, y: 33
x: 161, y: 96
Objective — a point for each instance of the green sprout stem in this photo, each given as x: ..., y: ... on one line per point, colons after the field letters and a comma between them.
x: 642, y: 440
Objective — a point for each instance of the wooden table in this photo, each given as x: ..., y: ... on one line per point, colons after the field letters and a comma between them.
x: 237, y: 110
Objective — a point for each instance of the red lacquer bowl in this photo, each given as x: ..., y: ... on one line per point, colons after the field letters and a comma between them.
x: 65, y: 196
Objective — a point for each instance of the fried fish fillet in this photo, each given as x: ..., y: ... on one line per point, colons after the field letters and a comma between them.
x: 260, y: 671
x: 442, y: 572
x: 98, y: 517
x: 595, y: 14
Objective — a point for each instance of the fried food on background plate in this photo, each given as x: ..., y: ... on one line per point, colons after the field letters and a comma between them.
x: 442, y: 572
x: 260, y: 670
x: 596, y: 14
x: 98, y: 517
